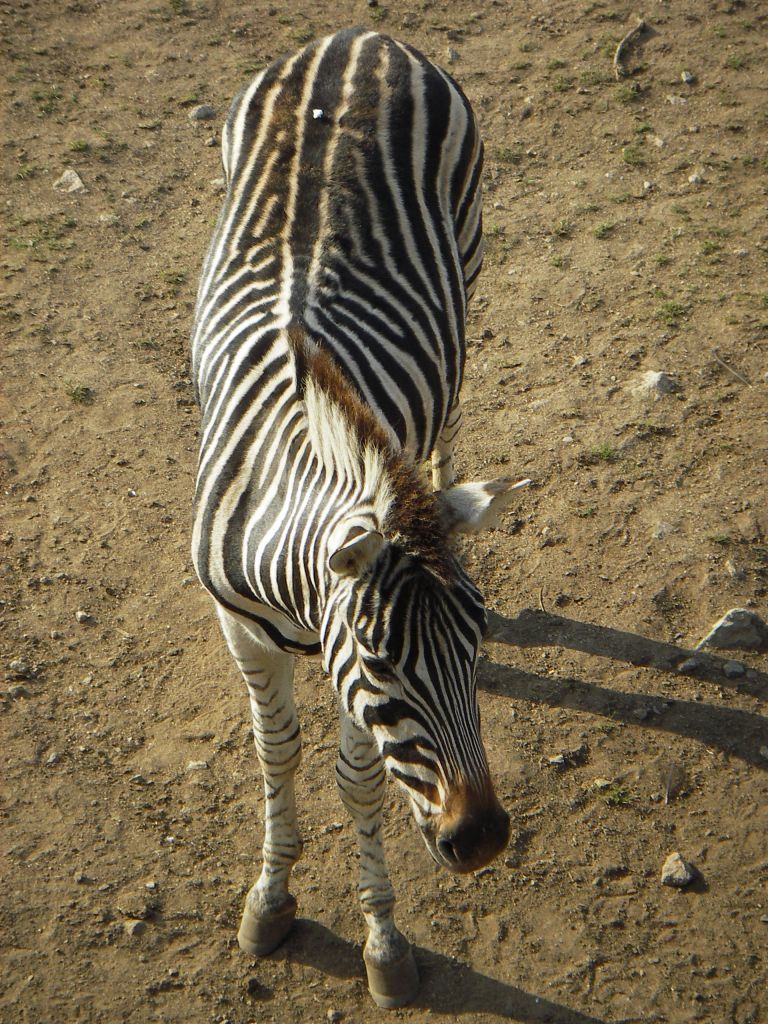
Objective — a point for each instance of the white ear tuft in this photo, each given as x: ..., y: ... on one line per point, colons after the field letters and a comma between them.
x: 470, y: 508
x: 356, y: 552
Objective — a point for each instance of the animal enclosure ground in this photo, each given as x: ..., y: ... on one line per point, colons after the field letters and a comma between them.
x: 626, y: 234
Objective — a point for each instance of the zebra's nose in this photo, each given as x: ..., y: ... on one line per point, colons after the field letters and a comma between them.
x: 469, y: 840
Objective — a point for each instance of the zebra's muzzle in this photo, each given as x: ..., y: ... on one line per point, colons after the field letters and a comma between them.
x: 471, y: 831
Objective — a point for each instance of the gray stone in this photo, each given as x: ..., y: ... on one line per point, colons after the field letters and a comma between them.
x: 134, y: 927
x: 677, y: 872
x: 85, y: 618
x: 738, y: 628
x: 733, y: 670
x: 202, y: 112
x: 70, y: 181
x: 655, y: 384
x: 21, y: 669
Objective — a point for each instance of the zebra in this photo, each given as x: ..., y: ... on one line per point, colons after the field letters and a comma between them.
x: 327, y: 354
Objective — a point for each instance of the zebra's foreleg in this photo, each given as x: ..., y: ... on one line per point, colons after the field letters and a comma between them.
x: 269, y: 907
x: 443, y: 472
x: 392, y: 977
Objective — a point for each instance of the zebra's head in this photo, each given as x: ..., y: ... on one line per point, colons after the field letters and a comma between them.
x: 401, y: 638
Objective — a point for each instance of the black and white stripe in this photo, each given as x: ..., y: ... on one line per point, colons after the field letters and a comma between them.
x: 328, y: 354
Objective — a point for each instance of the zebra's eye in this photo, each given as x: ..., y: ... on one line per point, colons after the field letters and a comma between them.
x: 380, y: 669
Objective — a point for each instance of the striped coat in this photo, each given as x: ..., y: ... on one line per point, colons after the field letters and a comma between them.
x: 328, y: 354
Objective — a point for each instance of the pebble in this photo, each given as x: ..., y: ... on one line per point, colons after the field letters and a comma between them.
x: 677, y: 872
x: 135, y: 927
x: 70, y: 181
x: 453, y: 55
x: 334, y: 1015
x: 21, y: 669
x: 85, y: 618
x: 527, y: 108
x: 655, y: 384
x: 696, y: 178
x: 202, y: 112
x: 689, y: 665
x: 740, y: 628
x: 687, y: 77
x: 53, y: 758
x: 17, y: 692
x: 676, y: 101
x: 197, y: 766
x: 211, y: 142
x: 733, y: 669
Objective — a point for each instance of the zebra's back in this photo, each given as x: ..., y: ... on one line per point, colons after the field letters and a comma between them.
x: 353, y: 210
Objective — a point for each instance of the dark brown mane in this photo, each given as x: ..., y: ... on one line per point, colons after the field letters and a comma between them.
x: 415, y: 516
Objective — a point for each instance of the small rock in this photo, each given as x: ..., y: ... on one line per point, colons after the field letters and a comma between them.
x: 70, y: 181
x: 211, y: 142
x: 202, y: 112
x: 663, y: 529
x: 741, y: 253
x: 689, y: 665
x: 687, y: 77
x: 219, y: 184
x: 696, y: 178
x: 558, y: 761
x: 134, y: 927
x: 733, y: 669
x: 676, y: 101
x: 734, y: 569
x: 527, y: 108
x: 648, y: 186
x: 654, y: 384
x: 256, y: 990
x: 197, y: 766
x: 21, y: 669
x: 56, y: 634
x: 334, y: 1015
x: 452, y: 55
x: 85, y: 618
x: 677, y: 872
x: 19, y: 692
x: 53, y: 758
x: 738, y: 628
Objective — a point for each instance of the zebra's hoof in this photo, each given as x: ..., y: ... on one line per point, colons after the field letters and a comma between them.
x: 394, y: 983
x: 261, y: 934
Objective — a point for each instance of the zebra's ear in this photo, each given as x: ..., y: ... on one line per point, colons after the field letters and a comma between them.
x: 355, y: 552
x: 470, y: 508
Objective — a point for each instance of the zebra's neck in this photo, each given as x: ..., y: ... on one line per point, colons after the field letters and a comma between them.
x: 379, y: 481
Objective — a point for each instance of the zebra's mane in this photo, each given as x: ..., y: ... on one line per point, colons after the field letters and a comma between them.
x: 348, y: 435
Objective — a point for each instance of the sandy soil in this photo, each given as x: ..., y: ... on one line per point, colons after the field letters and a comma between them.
x: 626, y: 226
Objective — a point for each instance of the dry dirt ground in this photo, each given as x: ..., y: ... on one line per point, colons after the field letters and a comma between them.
x: 626, y: 225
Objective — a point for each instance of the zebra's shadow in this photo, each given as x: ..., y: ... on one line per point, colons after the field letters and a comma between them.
x: 446, y: 985
x: 739, y: 734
